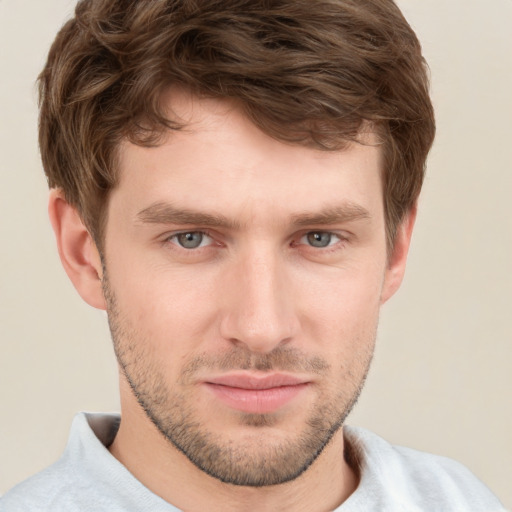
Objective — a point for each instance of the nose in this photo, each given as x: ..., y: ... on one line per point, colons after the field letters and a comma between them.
x: 259, y: 304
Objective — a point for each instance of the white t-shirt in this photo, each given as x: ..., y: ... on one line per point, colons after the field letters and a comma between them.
x: 392, y: 479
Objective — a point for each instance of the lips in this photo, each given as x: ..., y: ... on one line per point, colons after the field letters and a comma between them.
x: 256, y: 394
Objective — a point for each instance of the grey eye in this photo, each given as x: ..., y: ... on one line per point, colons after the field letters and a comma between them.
x: 319, y: 238
x: 191, y: 240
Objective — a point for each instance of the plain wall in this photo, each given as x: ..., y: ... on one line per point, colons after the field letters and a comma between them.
x: 442, y: 375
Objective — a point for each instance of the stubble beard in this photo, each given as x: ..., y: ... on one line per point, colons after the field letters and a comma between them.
x: 255, y: 462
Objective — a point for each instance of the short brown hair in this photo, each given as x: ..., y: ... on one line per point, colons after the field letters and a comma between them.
x: 306, y: 72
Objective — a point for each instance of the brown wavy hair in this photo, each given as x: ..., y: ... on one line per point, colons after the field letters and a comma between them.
x: 309, y: 72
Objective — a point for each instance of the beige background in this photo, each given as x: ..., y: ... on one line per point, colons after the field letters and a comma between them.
x: 442, y: 378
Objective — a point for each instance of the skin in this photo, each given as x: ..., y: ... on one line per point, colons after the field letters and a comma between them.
x: 256, y: 297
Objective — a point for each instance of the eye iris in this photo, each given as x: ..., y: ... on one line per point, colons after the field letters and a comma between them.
x: 190, y: 240
x: 319, y: 239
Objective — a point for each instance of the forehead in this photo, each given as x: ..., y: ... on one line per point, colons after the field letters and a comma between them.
x: 222, y: 162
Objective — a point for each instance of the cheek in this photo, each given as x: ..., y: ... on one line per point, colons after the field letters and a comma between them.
x: 165, y: 307
x: 340, y: 323
x: 343, y: 303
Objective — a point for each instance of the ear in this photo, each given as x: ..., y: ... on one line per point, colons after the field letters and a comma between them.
x: 77, y: 250
x: 398, y: 256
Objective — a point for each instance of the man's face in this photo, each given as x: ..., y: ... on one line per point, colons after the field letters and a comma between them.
x: 243, y: 279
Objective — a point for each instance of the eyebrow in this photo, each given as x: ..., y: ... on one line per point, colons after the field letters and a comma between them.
x: 166, y: 213
x: 347, y: 212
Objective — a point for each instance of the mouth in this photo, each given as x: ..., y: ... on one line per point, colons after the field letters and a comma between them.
x: 256, y: 394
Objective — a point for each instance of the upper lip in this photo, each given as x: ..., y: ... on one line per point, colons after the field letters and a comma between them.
x: 255, y: 381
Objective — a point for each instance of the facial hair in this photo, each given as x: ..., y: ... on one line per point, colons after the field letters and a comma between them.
x: 255, y: 462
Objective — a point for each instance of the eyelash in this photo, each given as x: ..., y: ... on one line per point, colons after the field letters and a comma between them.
x: 340, y: 243
x: 329, y: 233
x: 174, y: 236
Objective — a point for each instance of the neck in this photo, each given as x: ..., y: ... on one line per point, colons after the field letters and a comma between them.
x: 158, y: 465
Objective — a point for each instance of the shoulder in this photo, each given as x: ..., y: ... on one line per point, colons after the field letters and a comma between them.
x: 416, y: 480
x: 59, y: 488
x: 41, y: 491
x: 65, y: 485
x: 86, y: 477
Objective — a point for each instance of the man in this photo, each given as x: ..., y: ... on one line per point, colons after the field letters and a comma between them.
x: 236, y: 184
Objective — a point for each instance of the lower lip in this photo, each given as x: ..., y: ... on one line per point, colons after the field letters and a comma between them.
x: 256, y: 401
